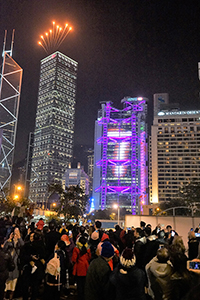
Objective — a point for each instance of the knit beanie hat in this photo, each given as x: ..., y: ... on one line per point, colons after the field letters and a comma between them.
x: 127, y: 258
x: 107, y: 249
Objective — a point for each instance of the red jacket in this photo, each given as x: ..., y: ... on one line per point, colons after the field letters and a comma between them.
x: 81, y: 263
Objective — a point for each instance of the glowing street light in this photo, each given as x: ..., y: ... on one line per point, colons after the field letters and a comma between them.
x: 116, y: 206
x: 16, y: 197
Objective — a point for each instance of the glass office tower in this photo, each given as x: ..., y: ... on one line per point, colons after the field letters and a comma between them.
x: 54, y: 129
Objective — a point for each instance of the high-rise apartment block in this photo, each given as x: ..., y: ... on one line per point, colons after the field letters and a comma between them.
x: 174, y: 153
x: 54, y: 129
x: 121, y: 156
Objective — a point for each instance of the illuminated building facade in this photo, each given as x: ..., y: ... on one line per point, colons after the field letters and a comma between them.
x: 76, y: 176
x: 121, y: 156
x: 54, y: 129
x: 174, y: 153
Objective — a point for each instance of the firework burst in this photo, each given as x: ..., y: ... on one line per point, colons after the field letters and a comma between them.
x: 53, y: 38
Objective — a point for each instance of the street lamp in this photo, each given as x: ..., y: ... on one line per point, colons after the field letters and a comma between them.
x: 116, y: 206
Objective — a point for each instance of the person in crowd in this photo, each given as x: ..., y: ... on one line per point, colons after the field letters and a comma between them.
x: 159, y: 271
x: 112, y: 263
x: 82, y: 232
x: 128, y: 280
x: 52, y: 237
x: 193, y: 245
x: 81, y: 258
x: 40, y: 224
x: 13, y: 246
x: 142, y: 225
x: 139, y: 247
x: 177, y: 245
x: 181, y: 279
x: 32, y: 262
x: 95, y: 239
x: 6, y: 265
x: 98, y: 285
x: 55, y: 273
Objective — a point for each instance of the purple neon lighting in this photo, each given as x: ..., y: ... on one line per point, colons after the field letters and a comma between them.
x: 123, y: 140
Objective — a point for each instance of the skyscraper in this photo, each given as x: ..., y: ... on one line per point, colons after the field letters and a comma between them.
x: 121, y: 156
x: 10, y: 89
x: 174, y: 153
x: 54, y: 129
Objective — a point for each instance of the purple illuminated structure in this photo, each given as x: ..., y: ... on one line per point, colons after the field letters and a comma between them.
x: 120, y: 156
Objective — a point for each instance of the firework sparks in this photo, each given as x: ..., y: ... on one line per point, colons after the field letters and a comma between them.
x: 52, y: 39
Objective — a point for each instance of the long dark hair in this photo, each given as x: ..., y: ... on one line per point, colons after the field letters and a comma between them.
x: 83, y: 250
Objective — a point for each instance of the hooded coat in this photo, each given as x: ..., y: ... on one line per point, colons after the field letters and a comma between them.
x: 159, y: 275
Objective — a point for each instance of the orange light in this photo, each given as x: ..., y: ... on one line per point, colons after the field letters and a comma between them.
x: 54, y: 204
x: 70, y: 28
x: 19, y: 188
x: 16, y: 197
x: 66, y: 25
x: 53, y: 22
x: 41, y: 36
x: 50, y: 30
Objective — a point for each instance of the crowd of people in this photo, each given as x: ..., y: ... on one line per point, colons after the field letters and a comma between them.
x: 47, y: 261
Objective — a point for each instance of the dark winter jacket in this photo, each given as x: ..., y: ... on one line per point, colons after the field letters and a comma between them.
x: 128, y: 284
x: 98, y: 286
x: 6, y: 265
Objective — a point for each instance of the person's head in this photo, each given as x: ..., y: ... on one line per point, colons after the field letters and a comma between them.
x: 107, y: 250
x: 138, y: 232
x: 52, y: 226
x: 117, y: 227
x: 178, y: 243
x: 147, y: 231
x: 82, y: 230
x: 127, y: 258
x: 162, y: 255
x: 169, y: 228
x: 161, y: 234
x: 32, y: 236
x: 191, y: 235
x: 60, y: 245
x: 142, y: 224
x: 98, y: 224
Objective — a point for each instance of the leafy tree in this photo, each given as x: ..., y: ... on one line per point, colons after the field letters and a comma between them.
x: 72, y: 201
x: 188, y: 196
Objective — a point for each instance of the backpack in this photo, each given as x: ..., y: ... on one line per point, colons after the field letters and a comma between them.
x: 53, y: 266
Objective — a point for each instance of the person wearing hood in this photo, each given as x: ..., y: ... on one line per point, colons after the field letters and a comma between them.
x: 128, y: 279
x: 80, y: 258
x: 159, y: 271
x: 40, y: 224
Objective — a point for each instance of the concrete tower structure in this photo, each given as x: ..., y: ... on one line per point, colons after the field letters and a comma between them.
x: 121, y: 156
x: 54, y: 129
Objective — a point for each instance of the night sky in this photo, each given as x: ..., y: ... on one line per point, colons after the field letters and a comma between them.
x: 124, y: 48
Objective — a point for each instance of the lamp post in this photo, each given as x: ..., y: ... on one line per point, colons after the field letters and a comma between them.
x: 116, y: 206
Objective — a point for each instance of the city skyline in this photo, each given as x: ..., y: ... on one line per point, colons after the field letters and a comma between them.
x: 126, y: 48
